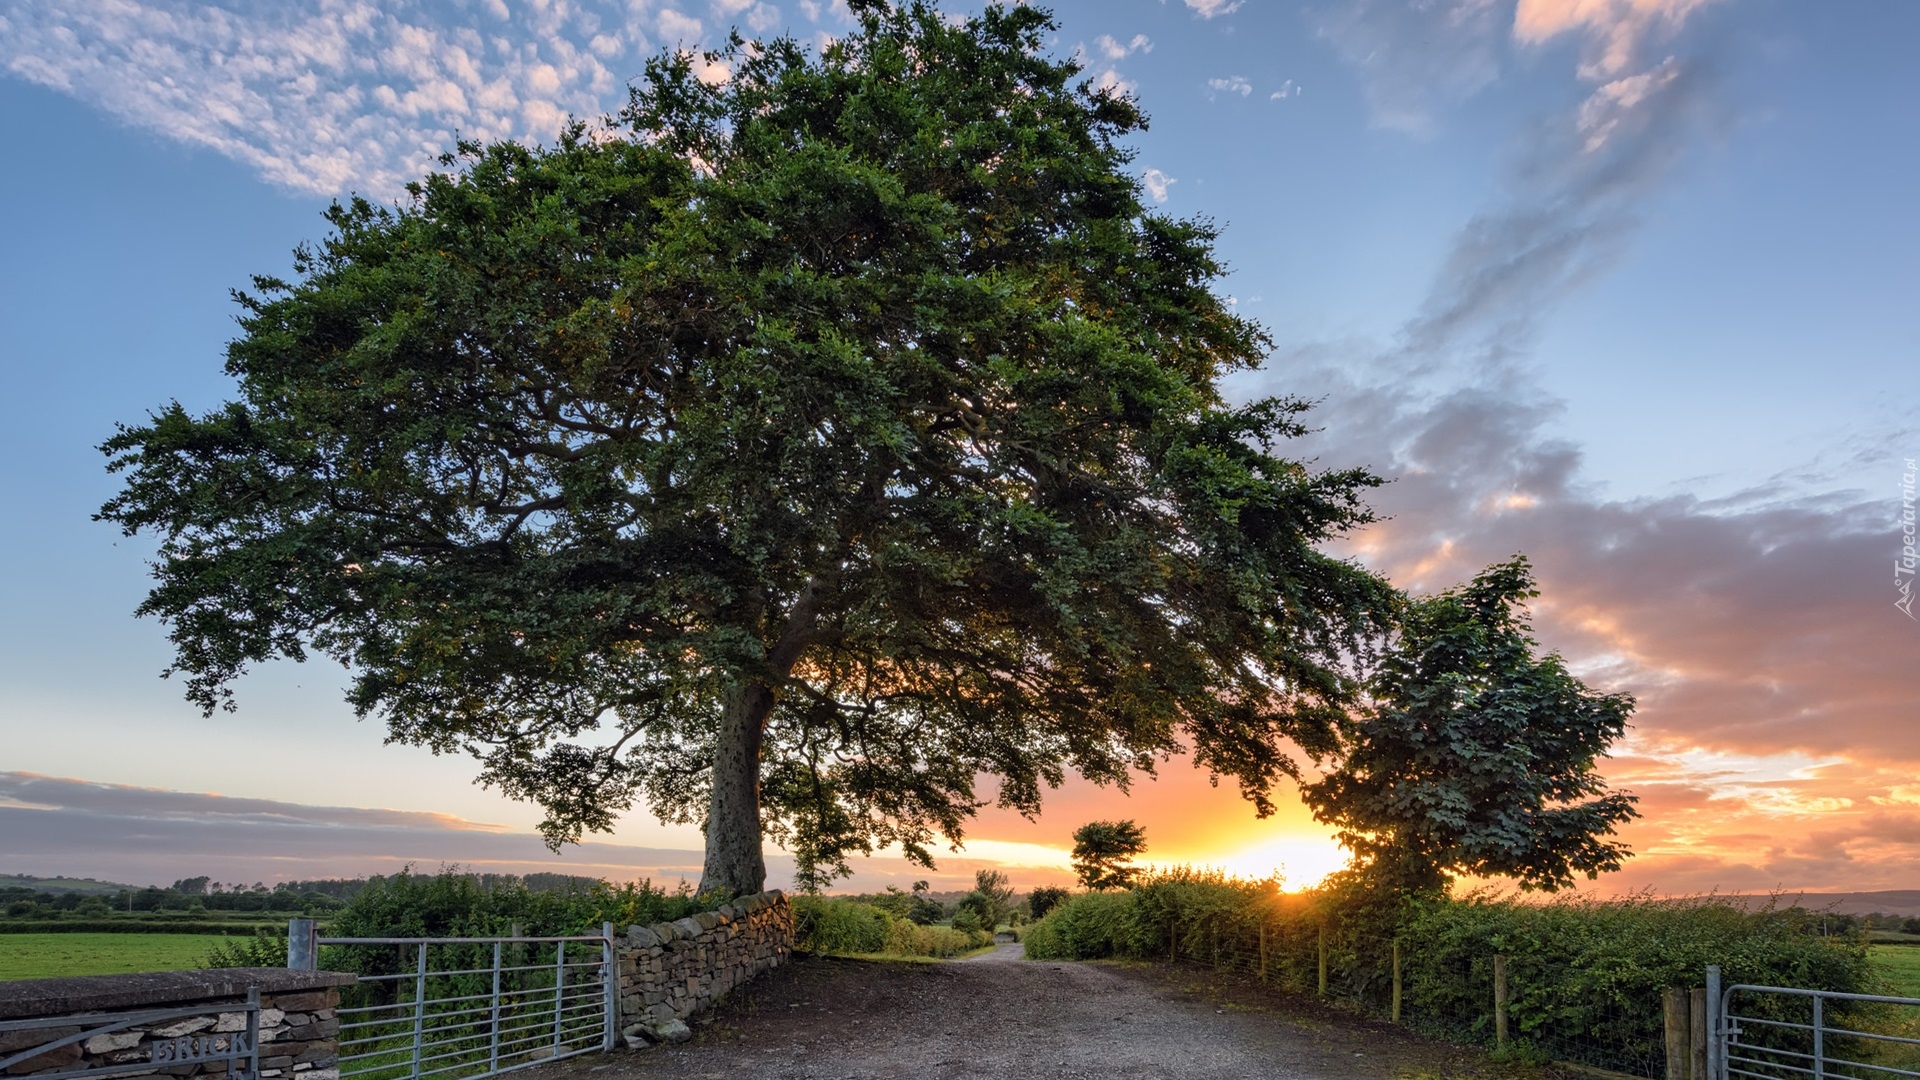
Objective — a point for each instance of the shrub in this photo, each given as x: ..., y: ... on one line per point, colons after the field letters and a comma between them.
x: 452, y: 903
x: 836, y: 926
x: 267, y: 947
x: 1044, y: 899
x: 456, y: 904
x: 1090, y: 926
x: 925, y: 910
x: 905, y: 938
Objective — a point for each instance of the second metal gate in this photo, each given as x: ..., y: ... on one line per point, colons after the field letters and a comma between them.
x: 1784, y: 1033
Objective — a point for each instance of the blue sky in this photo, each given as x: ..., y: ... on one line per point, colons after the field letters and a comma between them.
x: 1627, y: 284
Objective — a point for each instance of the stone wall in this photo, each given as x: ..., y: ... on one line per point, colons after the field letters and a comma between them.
x: 299, y: 1031
x: 670, y: 971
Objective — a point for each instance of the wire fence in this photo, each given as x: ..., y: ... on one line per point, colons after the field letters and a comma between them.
x: 1511, y: 1005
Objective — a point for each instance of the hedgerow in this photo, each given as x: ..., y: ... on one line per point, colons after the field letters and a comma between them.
x: 1586, y: 976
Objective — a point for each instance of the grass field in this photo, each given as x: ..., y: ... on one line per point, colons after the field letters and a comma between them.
x: 1899, y: 965
x: 40, y: 956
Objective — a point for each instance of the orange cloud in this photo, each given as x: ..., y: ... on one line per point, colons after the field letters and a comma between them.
x: 1615, y: 29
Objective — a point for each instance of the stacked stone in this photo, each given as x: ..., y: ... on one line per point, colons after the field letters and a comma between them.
x: 671, y: 971
x: 299, y: 1025
x: 300, y: 1033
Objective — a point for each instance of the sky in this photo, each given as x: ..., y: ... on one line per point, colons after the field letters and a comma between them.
x: 1631, y: 286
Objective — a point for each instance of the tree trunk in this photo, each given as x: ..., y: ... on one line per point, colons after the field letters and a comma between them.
x: 734, y: 862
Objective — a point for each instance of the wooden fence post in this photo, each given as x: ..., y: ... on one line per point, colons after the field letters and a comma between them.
x: 1173, y: 942
x: 1263, y: 952
x: 1323, y: 961
x: 1396, y: 982
x: 1698, y: 1025
x: 1676, y: 1007
x: 1500, y: 1000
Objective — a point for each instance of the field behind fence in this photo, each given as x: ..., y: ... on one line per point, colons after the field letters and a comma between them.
x: 1573, y: 980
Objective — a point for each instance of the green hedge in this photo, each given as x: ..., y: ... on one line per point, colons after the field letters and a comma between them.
x: 1586, y: 976
x: 1091, y: 926
x: 839, y: 927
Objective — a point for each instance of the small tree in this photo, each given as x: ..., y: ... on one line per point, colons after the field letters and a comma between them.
x: 991, y: 900
x: 1103, y: 850
x: 925, y: 910
x: 999, y: 893
x: 1475, y: 756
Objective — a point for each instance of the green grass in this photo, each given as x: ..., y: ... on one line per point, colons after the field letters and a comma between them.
x: 41, y: 956
x: 1899, y: 965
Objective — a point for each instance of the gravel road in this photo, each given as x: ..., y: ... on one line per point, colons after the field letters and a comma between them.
x: 998, y: 1016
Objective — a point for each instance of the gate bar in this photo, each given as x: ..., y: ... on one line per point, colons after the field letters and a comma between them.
x: 1716, y: 1065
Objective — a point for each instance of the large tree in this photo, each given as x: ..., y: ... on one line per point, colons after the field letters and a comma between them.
x: 1473, y: 755
x: 835, y: 434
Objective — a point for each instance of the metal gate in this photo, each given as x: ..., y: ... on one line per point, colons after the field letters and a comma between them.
x: 459, y: 1008
x: 1783, y: 1032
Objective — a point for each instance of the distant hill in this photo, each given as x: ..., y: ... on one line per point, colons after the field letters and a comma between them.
x: 62, y: 884
x: 1892, y: 902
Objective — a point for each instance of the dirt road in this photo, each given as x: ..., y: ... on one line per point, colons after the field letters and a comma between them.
x: 997, y: 1016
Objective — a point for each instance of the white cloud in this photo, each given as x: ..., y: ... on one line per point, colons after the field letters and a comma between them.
x: 1288, y: 89
x: 327, y: 96
x: 1208, y: 9
x: 711, y: 72
x: 1112, y: 82
x: 678, y: 27
x: 1234, y: 84
x: 835, y: 10
x: 1118, y: 50
x: 762, y: 18
x: 1609, y: 106
x: 1157, y: 183
x: 758, y: 17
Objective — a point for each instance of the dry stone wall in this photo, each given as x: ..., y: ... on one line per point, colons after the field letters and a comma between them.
x: 299, y: 1028
x: 671, y: 971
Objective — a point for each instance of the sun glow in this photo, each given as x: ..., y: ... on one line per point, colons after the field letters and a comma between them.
x: 1301, y: 861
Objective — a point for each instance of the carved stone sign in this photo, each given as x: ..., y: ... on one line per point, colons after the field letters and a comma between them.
x: 201, y: 1048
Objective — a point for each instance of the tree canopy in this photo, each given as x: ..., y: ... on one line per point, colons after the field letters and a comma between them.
x: 1473, y: 755
x: 1103, y: 853
x: 787, y: 456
